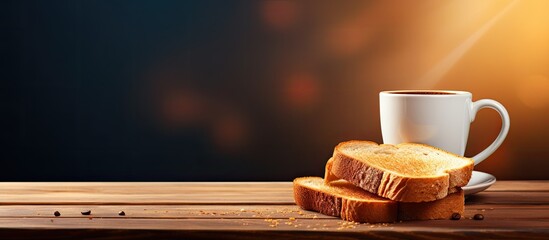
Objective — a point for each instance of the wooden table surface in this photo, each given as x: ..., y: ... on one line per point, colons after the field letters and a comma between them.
x: 244, y: 210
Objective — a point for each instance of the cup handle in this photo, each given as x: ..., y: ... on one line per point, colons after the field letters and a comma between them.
x: 505, y: 122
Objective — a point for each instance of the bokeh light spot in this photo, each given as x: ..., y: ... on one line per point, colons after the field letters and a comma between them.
x: 347, y: 39
x: 279, y: 15
x: 301, y: 90
x: 229, y: 133
x: 181, y: 108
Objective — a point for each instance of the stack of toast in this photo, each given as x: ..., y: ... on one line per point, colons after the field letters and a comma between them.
x: 368, y: 182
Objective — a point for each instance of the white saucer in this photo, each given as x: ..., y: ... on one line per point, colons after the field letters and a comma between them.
x: 479, y: 182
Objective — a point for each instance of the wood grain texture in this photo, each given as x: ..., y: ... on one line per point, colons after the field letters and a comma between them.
x: 520, y: 186
x: 512, y: 210
x: 204, y: 193
x: 242, y: 228
x: 260, y: 224
x: 146, y: 193
x: 492, y: 212
x: 263, y: 234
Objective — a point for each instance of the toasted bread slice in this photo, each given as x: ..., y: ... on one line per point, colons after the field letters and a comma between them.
x: 406, y: 172
x: 342, y: 199
x: 439, y: 209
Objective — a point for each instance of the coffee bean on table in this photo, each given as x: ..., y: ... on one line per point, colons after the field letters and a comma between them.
x: 86, y: 212
x: 456, y: 216
x: 121, y: 213
x: 57, y: 214
x: 478, y: 217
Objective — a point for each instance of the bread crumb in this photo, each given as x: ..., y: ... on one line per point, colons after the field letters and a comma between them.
x: 292, y: 218
x: 242, y: 210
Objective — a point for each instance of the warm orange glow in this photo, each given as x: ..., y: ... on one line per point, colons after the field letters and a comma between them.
x: 534, y: 91
x: 442, y: 67
x: 330, y: 61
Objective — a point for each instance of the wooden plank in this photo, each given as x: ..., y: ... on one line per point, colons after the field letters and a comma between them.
x: 137, y: 187
x: 109, y: 234
x: 516, y: 186
x: 526, y: 228
x: 212, y: 210
x: 539, y: 198
x: 158, y: 199
x: 166, y: 187
x: 198, y: 193
x: 260, y: 224
x: 146, y: 193
x: 236, y: 198
x: 162, y: 211
x: 492, y: 212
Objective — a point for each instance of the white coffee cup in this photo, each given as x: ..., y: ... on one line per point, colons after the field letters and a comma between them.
x: 438, y: 118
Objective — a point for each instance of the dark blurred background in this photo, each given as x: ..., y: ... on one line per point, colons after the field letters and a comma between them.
x: 254, y: 90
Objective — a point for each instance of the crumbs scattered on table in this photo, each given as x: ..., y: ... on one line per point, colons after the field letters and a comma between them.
x: 346, y: 225
x: 272, y: 222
